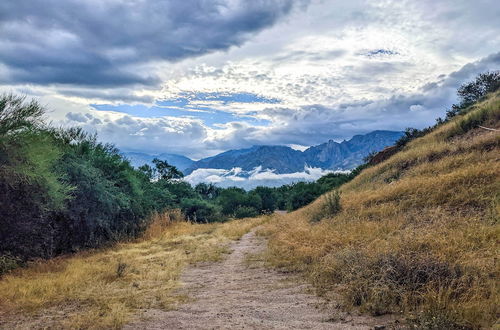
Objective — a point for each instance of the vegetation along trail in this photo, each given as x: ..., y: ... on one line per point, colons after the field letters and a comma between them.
x: 239, y: 293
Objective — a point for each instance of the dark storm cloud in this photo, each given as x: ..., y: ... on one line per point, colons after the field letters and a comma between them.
x: 102, y: 43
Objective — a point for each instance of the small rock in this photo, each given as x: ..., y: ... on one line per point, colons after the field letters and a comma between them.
x: 379, y: 327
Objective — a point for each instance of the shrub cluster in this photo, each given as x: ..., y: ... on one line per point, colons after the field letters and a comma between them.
x: 61, y: 190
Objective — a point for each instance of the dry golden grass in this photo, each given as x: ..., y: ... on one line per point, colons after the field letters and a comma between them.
x: 417, y: 234
x: 104, y: 289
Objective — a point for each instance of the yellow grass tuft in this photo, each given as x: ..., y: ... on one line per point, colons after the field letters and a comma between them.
x: 105, y: 289
x: 416, y: 234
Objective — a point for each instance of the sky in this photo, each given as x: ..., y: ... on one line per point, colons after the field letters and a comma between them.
x: 198, y: 77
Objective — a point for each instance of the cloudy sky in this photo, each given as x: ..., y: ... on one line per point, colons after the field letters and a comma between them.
x: 197, y: 77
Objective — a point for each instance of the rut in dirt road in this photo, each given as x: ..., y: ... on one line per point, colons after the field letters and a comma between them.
x: 234, y: 294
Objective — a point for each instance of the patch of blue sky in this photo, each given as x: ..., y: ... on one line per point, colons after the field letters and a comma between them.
x: 227, y: 98
x: 183, y: 107
x: 380, y: 52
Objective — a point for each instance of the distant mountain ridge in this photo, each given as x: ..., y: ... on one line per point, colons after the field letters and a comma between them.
x: 138, y: 159
x: 349, y: 154
x: 330, y: 155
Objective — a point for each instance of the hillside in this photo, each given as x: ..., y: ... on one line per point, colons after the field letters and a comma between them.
x: 417, y: 233
x: 330, y: 155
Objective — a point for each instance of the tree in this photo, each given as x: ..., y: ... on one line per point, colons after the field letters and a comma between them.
x: 484, y: 84
x: 230, y: 198
x: 199, y: 210
x: 207, y: 191
x: 148, y: 171
x: 473, y: 91
x: 333, y: 180
x: 301, y: 194
x: 165, y: 171
x: 16, y: 114
x: 269, y: 198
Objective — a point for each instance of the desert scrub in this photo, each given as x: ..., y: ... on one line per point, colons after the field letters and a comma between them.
x: 330, y: 206
x: 106, y: 288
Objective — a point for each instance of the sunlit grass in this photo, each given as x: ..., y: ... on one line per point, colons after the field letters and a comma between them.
x: 104, y: 289
x: 416, y: 234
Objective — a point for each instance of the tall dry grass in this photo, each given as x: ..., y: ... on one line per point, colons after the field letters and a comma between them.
x: 105, y: 289
x: 416, y: 234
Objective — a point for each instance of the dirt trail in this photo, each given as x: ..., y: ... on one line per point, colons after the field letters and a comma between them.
x: 235, y: 294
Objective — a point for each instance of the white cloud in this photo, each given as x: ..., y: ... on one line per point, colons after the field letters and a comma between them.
x: 236, y: 177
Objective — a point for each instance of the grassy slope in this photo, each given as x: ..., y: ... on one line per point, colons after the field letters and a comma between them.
x: 104, y: 289
x: 417, y: 234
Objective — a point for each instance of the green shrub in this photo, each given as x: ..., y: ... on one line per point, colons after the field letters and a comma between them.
x: 8, y: 263
x: 330, y: 206
x: 199, y: 210
x: 245, y: 212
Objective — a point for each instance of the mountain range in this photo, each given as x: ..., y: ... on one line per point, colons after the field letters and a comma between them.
x: 138, y: 158
x: 331, y: 155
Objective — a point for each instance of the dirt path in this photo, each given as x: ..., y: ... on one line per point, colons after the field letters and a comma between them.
x: 235, y: 294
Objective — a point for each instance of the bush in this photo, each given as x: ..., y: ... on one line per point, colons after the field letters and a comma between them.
x: 198, y: 210
x: 330, y: 206
x: 231, y: 199
x: 268, y: 197
x: 411, y: 134
x: 62, y: 191
x: 301, y: 194
x: 8, y: 263
x: 245, y: 212
x: 332, y: 203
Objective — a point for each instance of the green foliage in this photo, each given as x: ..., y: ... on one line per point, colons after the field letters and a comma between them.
x: 165, y: 171
x: 333, y: 180
x: 27, y: 154
x: 471, y: 92
x: 330, y: 206
x: 207, y: 190
x: 231, y: 199
x: 245, y: 212
x: 268, y: 197
x: 18, y: 115
x: 8, y: 263
x: 199, y: 210
x: 297, y: 195
x: 411, y: 134
x: 178, y: 189
x: 62, y: 191
x: 302, y: 194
